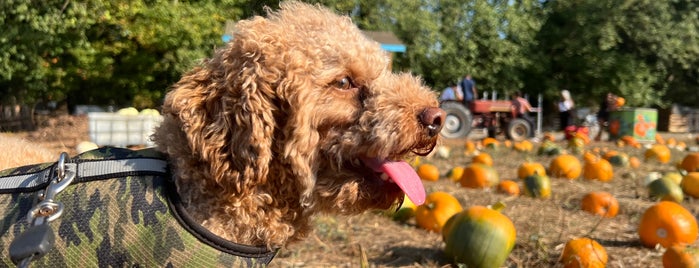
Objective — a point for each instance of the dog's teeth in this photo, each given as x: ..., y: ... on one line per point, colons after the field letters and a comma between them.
x: 356, y: 162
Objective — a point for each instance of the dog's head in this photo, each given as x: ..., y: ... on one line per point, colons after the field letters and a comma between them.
x: 302, y: 107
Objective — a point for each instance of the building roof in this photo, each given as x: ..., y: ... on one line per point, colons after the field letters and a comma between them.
x: 388, y: 40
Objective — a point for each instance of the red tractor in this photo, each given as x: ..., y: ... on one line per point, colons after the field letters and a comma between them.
x: 495, y: 116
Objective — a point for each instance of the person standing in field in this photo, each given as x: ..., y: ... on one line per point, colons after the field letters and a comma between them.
x: 607, y: 105
x: 469, y: 89
x: 565, y: 109
x: 452, y: 92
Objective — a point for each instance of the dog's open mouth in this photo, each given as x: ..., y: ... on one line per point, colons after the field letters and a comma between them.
x: 400, y: 173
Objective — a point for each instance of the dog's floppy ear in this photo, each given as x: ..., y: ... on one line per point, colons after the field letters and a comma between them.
x: 301, y: 138
x: 241, y: 108
x: 280, y: 91
x: 275, y: 83
x: 226, y: 115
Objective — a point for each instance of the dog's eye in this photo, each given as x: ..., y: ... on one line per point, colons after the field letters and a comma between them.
x: 344, y: 83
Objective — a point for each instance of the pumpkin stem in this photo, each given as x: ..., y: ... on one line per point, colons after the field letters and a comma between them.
x: 430, y: 205
x: 498, y: 206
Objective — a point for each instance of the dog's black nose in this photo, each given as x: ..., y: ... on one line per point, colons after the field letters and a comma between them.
x: 432, y: 118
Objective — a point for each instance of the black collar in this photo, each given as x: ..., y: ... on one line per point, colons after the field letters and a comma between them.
x: 254, y: 255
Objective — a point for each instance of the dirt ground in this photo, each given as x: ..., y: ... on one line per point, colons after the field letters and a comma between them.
x: 543, y: 226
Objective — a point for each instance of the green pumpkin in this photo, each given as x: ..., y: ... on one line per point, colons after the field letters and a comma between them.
x: 479, y: 237
x: 537, y: 186
x: 619, y: 160
x: 576, y: 145
x: 549, y: 148
x: 665, y: 189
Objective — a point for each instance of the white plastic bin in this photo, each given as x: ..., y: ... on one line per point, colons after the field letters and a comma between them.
x: 111, y: 129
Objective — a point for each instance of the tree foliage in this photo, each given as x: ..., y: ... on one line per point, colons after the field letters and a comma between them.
x: 448, y: 39
x: 105, y: 52
x: 128, y: 52
x: 642, y: 49
x: 35, y: 34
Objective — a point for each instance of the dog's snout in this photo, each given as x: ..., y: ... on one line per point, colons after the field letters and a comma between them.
x: 432, y: 118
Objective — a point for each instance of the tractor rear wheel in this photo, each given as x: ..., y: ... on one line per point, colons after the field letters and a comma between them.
x: 457, y: 123
x: 519, y: 129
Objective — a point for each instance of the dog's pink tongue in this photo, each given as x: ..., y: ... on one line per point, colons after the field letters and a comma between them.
x: 403, y: 175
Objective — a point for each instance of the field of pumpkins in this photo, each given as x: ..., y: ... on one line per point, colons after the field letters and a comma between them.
x: 569, y: 202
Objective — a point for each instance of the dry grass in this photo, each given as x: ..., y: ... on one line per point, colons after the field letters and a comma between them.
x: 543, y: 226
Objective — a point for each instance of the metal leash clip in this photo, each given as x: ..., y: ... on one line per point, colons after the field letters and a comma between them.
x: 39, y: 238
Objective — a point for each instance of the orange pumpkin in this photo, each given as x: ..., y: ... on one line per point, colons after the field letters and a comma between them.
x: 565, y: 166
x: 671, y: 142
x: 582, y: 136
x: 629, y: 140
x: 620, y: 143
x: 600, y: 203
x: 690, y: 162
x: 508, y: 187
x: 428, y: 172
x: 600, y: 170
x: 658, y: 152
x: 478, y: 175
x: 659, y: 139
x: 690, y: 184
x: 524, y: 146
x: 469, y: 147
x: 483, y: 158
x: 437, y: 209
x: 414, y: 162
x: 667, y: 223
x: 609, y: 154
x: 620, y: 101
x: 508, y: 143
x: 455, y: 174
x: 548, y: 136
x: 583, y: 252
x: 530, y: 168
x: 590, y: 156
x: 634, y: 162
x: 681, y: 256
x: 490, y: 143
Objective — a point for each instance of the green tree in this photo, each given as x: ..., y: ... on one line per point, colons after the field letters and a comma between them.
x: 642, y: 50
x: 450, y: 38
x: 105, y: 52
x: 139, y: 48
x: 35, y: 36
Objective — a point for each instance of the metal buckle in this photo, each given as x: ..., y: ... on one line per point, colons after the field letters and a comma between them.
x: 47, y: 209
x: 38, y: 238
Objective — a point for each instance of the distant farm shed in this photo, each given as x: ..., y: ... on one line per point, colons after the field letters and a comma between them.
x: 388, y: 41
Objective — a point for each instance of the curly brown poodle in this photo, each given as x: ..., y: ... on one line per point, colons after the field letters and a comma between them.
x: 299, y: 114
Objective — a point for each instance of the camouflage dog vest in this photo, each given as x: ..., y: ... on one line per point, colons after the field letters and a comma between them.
x: 119, y: 208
